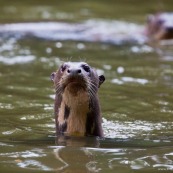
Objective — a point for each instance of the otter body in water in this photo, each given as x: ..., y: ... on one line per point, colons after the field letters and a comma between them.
x: 77, y: 109
x: 160, y: 26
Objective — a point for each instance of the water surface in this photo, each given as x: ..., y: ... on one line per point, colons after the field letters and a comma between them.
x: 136, y: 98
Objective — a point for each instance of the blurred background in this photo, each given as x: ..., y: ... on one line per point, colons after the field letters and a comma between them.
x: 136, y: 98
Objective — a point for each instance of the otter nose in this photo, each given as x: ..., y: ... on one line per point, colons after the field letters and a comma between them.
x: 74, y: 71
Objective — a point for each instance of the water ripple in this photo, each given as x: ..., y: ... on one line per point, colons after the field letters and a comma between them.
x: 17, y: 59
x: 123, y: 80
x: 126, y: 129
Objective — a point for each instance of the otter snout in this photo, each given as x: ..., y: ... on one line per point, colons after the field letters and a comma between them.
x: 74, y: 71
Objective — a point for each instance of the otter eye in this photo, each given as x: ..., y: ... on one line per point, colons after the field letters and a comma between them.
x: 86, y: 68
x: 63, y: 67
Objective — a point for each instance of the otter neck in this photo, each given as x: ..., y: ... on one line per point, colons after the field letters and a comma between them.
x: 74, y: 109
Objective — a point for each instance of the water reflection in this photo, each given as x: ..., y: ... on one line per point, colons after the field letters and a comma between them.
x: 82, y: 155
x: 86, y: 163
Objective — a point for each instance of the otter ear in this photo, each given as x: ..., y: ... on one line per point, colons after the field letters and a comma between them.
x: 52, y: 76
x: 101, y: 79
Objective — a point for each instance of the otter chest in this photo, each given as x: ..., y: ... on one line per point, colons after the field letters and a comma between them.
x: 73, y: 112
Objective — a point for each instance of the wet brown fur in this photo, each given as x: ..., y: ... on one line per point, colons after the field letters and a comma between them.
x: 77, y: 108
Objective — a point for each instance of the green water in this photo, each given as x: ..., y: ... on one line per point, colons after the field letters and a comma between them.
x: 136, y: 98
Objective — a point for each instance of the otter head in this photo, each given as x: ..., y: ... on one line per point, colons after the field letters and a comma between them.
x: 160, y: 26
x: 76, y: 76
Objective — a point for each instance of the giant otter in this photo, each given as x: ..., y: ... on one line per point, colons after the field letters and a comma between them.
x: 77, y: 109
x: 160, y: 26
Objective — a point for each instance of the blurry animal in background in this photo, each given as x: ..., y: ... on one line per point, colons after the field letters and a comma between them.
x: 160, y: 26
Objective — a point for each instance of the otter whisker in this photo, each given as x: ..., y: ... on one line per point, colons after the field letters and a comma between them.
x: 57, y: 86
x: 92, y: 86
x: 59, y: 91
x: 91, y: 95
x: 91, y: 91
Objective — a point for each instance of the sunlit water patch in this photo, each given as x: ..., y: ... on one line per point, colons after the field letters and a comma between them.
x: 114, y: 32
x: 142, y: 49
x: 123, y: 80
x: 12, y: 53
x: 128, y: 129
x: 17, y: 60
